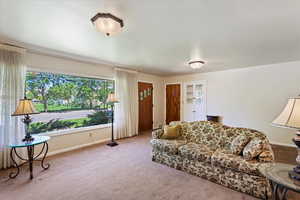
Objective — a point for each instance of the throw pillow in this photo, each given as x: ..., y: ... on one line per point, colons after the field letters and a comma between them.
x: 238, y: 144
x: 266, y: 156
x: 253, y: 148
x: 174, y: 123
x: 171, y: 132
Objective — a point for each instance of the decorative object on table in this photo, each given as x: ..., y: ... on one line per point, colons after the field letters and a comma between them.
x: 107, y: 23
x: 26, y: 108
x: 141, y: 96
x: 30, y: 151
x: 290, y: 118
x: 281, y: 183
x: 213, y: 118
x: 149, y: 91
x: 111, y: 99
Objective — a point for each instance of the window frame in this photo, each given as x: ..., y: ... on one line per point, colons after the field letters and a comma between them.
x: 69, y: 131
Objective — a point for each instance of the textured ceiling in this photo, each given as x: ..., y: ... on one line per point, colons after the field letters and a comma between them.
x: 159, y: 37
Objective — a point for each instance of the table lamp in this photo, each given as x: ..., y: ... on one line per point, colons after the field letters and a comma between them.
x: 26, y: 108
x: 111, y: 99
x: 290, y: 118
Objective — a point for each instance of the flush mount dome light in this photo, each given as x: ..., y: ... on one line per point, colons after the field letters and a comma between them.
x: 107, y: 23
x: 197, y: 64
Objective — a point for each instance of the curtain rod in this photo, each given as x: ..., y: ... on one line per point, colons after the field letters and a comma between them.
x: 12, y: 47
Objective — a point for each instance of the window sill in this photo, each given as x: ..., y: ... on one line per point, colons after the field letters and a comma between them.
x: 74, y: 130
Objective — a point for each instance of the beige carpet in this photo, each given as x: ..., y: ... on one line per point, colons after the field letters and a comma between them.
x: 125, y: 172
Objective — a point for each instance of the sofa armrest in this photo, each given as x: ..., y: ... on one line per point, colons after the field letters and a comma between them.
x: 156, y: 134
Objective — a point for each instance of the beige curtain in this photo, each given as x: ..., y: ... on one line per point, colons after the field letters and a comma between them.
x: 12, y: 81
x: 126, y: 112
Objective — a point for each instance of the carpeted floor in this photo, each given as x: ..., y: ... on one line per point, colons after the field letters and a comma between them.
x: 125, y: 172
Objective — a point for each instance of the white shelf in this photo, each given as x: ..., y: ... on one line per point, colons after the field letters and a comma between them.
x: 194, y: 104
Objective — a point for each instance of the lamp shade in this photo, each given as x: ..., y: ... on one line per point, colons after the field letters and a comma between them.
x: 111, y: 98
x: 25, y: 107
x: 290, y: 116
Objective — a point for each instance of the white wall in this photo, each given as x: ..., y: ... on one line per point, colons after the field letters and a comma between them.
x: 67, y: 66
x: 53, y: 64
x: 251, y: 97
x: 60, y: 65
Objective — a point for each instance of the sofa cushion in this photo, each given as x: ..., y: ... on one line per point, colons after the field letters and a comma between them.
x: 174, y: 123
x: 224, y: 158
x: 168, y: 146
x: 193, y: 151
x: 238, y: 144
x: 203, y: 132
x: 171, y: 132
x: 253, y: 148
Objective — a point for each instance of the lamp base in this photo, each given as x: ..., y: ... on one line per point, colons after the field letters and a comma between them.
x: 295, y: 174
x: 28, y: 139
x: 27, y: 120
x: 112, y: 144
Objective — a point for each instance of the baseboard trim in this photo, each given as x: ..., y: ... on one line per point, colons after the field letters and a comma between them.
x: 77, y: 147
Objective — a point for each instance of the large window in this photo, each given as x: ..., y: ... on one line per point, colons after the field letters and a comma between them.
x: 66, y: 101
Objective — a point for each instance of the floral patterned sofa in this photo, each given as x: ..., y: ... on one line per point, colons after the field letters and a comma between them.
x: 203, y: 149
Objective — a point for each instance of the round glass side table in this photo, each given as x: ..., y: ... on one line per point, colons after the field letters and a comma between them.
x: 31, y: 156
x: 281, y: 183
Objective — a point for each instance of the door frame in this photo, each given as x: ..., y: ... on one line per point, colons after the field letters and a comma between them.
x: 153, y: 105
x: 165, y: 99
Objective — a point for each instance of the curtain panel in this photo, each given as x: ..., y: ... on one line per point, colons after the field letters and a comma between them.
x: 12, y: 81
x: 126, y: 112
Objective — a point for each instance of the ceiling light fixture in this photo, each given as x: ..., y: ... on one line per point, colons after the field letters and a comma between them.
x: 197, y: 64
x: 107, y: 23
